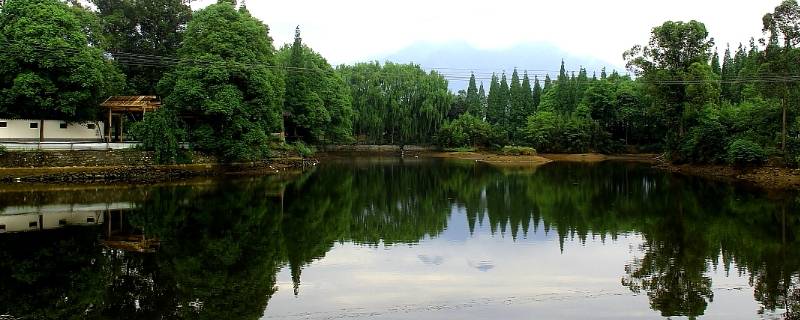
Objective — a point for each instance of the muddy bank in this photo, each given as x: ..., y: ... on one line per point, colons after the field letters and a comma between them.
x: 145, y: 174
x: 773, y: 178
x: 596, y: 157
x: 491, y: 158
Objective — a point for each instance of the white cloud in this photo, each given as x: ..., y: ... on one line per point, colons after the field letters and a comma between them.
x: 355, y: 30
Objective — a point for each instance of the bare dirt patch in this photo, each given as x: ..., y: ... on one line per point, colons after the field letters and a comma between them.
x: 494, y: 159
x: 596, y: 157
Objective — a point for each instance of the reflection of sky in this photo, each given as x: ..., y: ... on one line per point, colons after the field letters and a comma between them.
x: 479, y: 276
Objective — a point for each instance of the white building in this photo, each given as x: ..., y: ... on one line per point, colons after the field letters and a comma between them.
x: 50, y: 130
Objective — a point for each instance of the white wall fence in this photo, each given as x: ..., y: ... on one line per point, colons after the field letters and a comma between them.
x: 64, y: 146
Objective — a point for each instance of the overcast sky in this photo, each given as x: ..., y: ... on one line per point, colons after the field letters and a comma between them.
x: 346, y: 31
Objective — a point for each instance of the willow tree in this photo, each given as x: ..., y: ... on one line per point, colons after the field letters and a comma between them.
x: 397, y: 103
x: 225, y: 85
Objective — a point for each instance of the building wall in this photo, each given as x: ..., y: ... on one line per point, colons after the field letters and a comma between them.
x: 28, y: 130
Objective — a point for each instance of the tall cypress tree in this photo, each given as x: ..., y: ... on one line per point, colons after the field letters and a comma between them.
x: 482, y: 96
x: 296, y: 89
x: 548, y: 83
x: 727, y: 74
x: 473, y: 99
x: 537, y: 93
x: 505, y: 97
x: 495, y: 107
x: 715, y: 66
x: 516, y: 108
x: 528, y: 106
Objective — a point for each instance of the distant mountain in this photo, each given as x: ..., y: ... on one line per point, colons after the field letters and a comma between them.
x: 456, y: 60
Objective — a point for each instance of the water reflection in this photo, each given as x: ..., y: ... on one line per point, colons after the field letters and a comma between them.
x: 221, y: 245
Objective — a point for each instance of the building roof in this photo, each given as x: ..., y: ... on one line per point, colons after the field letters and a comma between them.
x: 131, y: 103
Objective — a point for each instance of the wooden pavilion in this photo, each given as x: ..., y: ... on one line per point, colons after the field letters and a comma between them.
x: 124, y: 106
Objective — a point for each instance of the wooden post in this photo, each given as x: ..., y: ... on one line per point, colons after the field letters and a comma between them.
x: 121, y: 132
x: 108, y: 125
x: 41, y: 131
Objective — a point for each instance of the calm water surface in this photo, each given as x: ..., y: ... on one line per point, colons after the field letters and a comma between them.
x: 413, y: 239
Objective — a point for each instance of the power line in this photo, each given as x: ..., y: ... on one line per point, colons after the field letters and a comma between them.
x: 456, y: 74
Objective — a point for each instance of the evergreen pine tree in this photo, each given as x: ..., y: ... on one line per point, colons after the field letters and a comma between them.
x: 516, y: 108
x: 548, y: 83
x: 473, y: 99
x: 715, y: 66
x: 528, y: 105
x: 727, y: 74
x: 296, y: 89
x: 482, y: 95
x: 495, y: 108
x: 537, y: 93
x: 505, y: 99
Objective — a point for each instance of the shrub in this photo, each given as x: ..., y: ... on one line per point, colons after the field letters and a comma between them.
x: 518, y: 151
x: 304, y: 150
x: 461, y: 149
x: 742, y: 152
x: 3, y: 150
x: 705, y: 143
x: 161, y: 132
x: 466, y: 130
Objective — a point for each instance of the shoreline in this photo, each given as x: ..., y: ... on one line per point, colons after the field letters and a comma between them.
x: 144, y: 174
x: 766, y: 177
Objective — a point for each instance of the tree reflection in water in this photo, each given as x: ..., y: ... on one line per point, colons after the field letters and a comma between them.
x: 223, y: 243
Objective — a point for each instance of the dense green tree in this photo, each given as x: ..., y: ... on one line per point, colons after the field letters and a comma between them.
x: 466, y: 130
x: 496, y: 109
x: 232, y: 100
x: 664, y: 64
x: 49, y: 68
x: 536, y: 93
x: 517, y: 108
x: 317, y: 100
x: 137, y: 31
x: 473, y: 97
x: 482, y: 96
x: 396, y: 103
x: 715, y: 65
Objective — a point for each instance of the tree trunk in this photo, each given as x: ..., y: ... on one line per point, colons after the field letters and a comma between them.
x: 41, y: 131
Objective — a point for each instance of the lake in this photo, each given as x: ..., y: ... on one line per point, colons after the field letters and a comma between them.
x: 386, y: 238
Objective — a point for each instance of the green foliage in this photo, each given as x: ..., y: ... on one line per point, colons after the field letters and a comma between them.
x: 49, y: 66
x: 161, y: 132
x: 303, y: 150
x: 674, y: 49
x: 517, y: 151
x: 3, y: 150
x: 233, y: 99
x: 466, y: 130
x: 706, y: 142
x: 547, y: 131
x: 742, y: 152
x: 461, y: 149
x: 143, y: 27
x: 396, y: 103
x: 317, y: 99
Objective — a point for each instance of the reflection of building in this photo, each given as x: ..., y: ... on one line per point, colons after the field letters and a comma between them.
x: 30, y: 218
x: 117, y: 232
